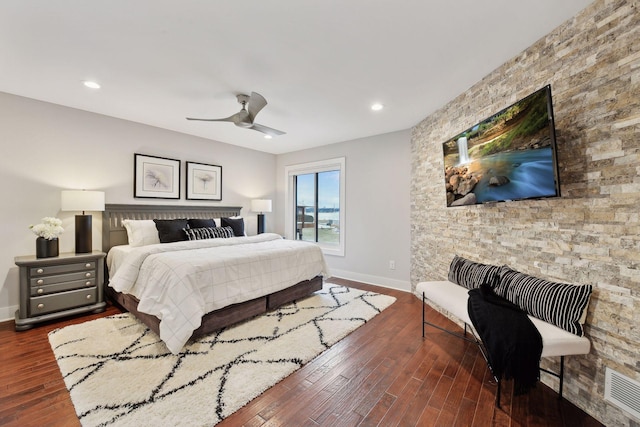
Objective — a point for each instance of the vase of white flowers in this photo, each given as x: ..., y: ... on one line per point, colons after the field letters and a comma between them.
x: 47, y: 241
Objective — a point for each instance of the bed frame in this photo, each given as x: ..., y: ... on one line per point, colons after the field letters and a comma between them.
x: 113, y: 233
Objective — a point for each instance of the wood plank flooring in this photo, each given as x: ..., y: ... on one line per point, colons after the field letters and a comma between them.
x: 383, y: 374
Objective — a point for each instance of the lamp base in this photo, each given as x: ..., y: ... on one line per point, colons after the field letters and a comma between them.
x: 261, y: 224
x: 83, y: 234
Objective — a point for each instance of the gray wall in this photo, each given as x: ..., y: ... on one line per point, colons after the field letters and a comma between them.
x: 591, y: 234
x: 47, y: 148
x: 377, y: 211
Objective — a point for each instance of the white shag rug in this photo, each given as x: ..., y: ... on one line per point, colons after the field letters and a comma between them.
x: 118, y: 372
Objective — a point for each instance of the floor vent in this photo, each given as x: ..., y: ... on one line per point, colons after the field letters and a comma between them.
x: 622, y: 391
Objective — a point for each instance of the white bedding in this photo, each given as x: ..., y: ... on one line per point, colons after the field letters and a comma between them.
x: 180, y: 282
x: 116, y: 256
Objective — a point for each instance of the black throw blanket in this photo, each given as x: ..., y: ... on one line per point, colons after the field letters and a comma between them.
x: 513, y: 344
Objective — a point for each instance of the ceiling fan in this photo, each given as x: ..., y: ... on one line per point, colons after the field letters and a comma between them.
x: 251, y: 106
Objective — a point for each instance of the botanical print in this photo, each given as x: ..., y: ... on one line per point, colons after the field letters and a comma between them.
x: 157, y: 177
x: 205, y: 181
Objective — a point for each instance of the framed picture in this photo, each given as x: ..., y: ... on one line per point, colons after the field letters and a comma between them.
x: 204, y: 182
x: 156, y: 177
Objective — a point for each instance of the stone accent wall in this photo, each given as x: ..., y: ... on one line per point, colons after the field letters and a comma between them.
x: 591, y: 235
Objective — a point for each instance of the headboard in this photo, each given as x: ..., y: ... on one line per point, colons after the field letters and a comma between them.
x: 113, y: 233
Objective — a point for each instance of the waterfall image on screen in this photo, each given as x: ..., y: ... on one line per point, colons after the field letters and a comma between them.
x: 509, y: 156
x: 463, y: 151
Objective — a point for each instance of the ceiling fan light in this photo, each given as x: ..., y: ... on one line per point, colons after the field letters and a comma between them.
x: 377, y: 106
x: 91, y: 84
x: 268, y: 137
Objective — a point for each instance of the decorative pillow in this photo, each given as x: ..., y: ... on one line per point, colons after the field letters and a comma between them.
x: 471, y: 274
x: 561, y: 304
x: 208, y: 233
x: 236, y: 224
x: 141, y: 232
x: 170, y: 230
x: 201, y: 223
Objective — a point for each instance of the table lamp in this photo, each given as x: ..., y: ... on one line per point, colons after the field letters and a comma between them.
x: 262, y: 206
x: 82, y: 200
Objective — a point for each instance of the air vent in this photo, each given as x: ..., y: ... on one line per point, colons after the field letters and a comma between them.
x: 622, y: 391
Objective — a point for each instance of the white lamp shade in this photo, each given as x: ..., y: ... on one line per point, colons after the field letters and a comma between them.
x: 81, y: 200
x: 261, y: 205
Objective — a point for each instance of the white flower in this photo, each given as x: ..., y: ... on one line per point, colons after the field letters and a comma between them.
x: 50, y: 228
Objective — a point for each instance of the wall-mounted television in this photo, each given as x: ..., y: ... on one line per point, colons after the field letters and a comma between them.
x: 509, y: 156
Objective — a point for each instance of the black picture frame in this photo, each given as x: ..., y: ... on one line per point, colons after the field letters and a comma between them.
x: 204, y: 181
x: 155, y: 177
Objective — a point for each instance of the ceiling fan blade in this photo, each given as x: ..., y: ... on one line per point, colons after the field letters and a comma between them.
x: 227, y: 119
x: 267, y: 130
x: 256, y: 103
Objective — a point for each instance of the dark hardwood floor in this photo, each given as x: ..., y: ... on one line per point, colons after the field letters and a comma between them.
x: 383, y: 374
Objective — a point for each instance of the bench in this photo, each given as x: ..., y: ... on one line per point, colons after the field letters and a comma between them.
x: 452, y: 295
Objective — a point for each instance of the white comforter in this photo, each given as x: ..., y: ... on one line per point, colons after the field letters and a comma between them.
x: 180, y: 282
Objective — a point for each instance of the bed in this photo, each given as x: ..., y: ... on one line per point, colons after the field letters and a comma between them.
x: 127, y: 294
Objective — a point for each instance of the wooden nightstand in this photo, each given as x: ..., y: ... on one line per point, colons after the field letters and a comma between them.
x: 51, y: 288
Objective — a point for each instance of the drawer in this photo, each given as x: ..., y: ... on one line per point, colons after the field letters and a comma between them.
x: 65, y: 268
x: 60, y: 287
x: 60, y: 278
x: 62, y: 301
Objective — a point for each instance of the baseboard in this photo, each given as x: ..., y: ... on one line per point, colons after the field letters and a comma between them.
x: 8, y: 313
x: 385, y: 282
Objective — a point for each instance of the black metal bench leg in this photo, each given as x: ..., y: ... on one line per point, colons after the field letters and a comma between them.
x: 423, y: 302
x: 561, y: 375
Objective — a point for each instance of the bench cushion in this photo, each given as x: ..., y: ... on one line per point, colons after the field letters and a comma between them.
x: 448, y: 296
x: 453, y: 298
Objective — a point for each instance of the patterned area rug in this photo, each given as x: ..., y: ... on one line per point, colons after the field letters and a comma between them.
x: 118, y: 372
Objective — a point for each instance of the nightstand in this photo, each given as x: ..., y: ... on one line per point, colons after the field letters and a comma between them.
x: 65, y: 285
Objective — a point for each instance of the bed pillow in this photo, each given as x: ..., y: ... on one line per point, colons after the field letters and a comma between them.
x: 201, y: 223
x: 472, y: 274
x: 560, y: 304
x: 208, y: 233
x: 141, y: 232
x: 170, y: 230
x: 236, y: 224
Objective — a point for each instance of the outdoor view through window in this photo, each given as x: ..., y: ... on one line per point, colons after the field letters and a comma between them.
x: 318, y: 207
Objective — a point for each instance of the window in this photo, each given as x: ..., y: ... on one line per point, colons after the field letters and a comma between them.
x: 315, y: 207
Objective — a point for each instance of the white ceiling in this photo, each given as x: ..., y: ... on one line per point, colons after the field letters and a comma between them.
x: 319, y: 64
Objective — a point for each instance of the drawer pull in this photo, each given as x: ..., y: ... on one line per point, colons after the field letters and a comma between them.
x: 40, y: 282
x: 87, y: 275
x: 40, y: 291
x: 40, y: 306
x: 88, y: 265
x: 89, y: 296
x: 88, y: 283
x: 40, y: 270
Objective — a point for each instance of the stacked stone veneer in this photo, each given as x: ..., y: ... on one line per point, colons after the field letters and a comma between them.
x: 591, y: 235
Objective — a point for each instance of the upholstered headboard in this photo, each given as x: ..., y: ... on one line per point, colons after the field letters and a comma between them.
x: 113, y: 233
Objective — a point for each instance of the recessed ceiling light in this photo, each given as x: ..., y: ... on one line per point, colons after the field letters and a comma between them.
x: 268, y: 137
x: 90, y: 84
x: 377, y: 106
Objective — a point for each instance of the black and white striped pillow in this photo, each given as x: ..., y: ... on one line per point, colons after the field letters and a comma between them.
x: 560, y: 304
x: 208, y: 233
x: 471, y: 274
